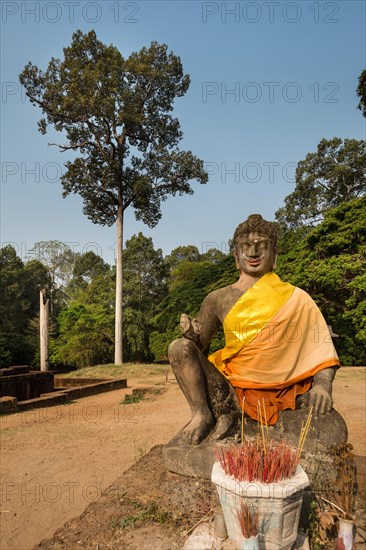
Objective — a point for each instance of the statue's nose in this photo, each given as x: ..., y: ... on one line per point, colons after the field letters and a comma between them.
x: 253, y: 252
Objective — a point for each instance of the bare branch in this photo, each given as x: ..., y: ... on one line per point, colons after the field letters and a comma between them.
x: 72, y: 147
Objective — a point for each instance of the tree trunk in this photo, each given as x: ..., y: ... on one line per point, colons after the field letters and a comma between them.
x: 118, y: 357
x: 43, y: 330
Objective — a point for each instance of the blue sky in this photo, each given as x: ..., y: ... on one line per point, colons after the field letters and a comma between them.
x: 269, y: 80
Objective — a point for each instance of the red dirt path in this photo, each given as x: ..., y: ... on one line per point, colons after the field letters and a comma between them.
x: 55, y: 461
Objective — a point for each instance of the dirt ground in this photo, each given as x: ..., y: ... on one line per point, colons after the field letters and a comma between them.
x: 56, y: 461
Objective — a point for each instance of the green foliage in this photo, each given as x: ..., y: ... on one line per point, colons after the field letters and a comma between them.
x: 5, y: 352
x: 189, y: 253
x: 20, y: 285
x: 330, y: 264
x: 333, y: 175
x: 185, y: 271
x: 144, y: 274
x: 184, y: 261
x: 145, y: 285
x: 212, y: 255
x: 159, y: 343
x: 148, y: 511
x: 186, y: 297
x: 57, y: 257
x: 136, y: 336
x: 361, y: 92
x: 131, y: 398
x: 85, y: 326
x: 116, y: 113
x: 86, y: 269
x: 88, y: 266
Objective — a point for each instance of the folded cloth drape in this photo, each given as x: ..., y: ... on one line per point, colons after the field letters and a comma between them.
x: 276, y: 341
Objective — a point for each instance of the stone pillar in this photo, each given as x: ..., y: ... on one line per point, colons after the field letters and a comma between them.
x: 43, y: 330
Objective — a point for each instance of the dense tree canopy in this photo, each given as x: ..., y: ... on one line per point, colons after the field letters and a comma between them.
x: 116, y: 115
x: 145, y: 274
x: 19, y: 304
x: 330, y: 264
x: 127, y: 140
x: 145, y: 285
x: 188, y: 253
x: 85, y: 327
x: 186, y: 296
x: 58, y: 258
x: 361, y: 92
x: 334, y: 174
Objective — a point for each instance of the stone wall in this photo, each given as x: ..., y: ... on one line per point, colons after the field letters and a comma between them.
x: 24, y: 383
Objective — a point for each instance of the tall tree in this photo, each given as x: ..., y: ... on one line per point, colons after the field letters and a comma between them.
x: 334, y: 174
x: 145, y: 274
x: 145, y: 286
x: 361, y: 92
x: 59, y: 260
x: 85, y: 326
x: 86, y: 268
x: 57, y: 257
x: 116, y: 114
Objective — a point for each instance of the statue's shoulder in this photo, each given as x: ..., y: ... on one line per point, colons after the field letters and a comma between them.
x: 301, y: 292
x: 219, y: 295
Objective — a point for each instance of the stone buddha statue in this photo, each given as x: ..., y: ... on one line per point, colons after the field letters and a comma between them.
x: 278, y: 352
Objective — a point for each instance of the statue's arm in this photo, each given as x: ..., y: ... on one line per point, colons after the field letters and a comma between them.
x: 203, y: 327
x: 320, y: 395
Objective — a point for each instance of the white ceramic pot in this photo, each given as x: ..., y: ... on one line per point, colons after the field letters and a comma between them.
x: 250, y: 544
x: 346, y: 535
x: 278, y: 505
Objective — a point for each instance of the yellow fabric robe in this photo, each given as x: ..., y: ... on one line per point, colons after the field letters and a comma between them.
x: 276, y: 341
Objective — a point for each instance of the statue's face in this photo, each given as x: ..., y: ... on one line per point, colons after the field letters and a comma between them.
x: 255, y: 255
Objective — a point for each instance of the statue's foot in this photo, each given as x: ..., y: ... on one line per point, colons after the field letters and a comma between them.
x: 196, y: 430
x: 227, y: 424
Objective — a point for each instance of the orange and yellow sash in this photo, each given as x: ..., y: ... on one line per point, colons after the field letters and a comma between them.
x: 275, y: 337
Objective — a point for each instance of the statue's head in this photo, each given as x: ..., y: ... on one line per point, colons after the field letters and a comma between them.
x: 254, y: 246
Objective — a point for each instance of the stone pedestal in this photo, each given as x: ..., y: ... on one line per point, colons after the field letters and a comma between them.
x: 197, y: 461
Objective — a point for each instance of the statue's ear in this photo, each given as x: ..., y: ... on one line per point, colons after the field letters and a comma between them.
x: 274, y: 263
x: 236, y: 259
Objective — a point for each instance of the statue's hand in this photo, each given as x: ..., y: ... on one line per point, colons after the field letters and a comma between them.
x: 190, y: 328
x: 318, y: 398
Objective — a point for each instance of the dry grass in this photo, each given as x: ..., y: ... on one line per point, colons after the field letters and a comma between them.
x: 129, y: 370
x: 351, y: 373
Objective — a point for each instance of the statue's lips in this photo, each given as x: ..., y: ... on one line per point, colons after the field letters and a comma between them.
x: 254, y: 263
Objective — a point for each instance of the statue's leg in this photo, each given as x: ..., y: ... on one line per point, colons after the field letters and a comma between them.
x: 209, y: 395
x: 184, y: 357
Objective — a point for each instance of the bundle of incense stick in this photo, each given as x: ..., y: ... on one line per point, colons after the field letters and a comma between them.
x: 304, y: 432
x: 248, y: 519
x: 265, y: 418
x: 242, y: 420
x: 250, y: 462
x: 262, y: 423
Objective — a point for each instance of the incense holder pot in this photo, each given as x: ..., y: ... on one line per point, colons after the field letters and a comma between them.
x: 346, y: 535
x: 278, y: 505
x: 250, y: 544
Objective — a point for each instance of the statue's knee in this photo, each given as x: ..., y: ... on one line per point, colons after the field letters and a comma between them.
x: 180, y: 349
